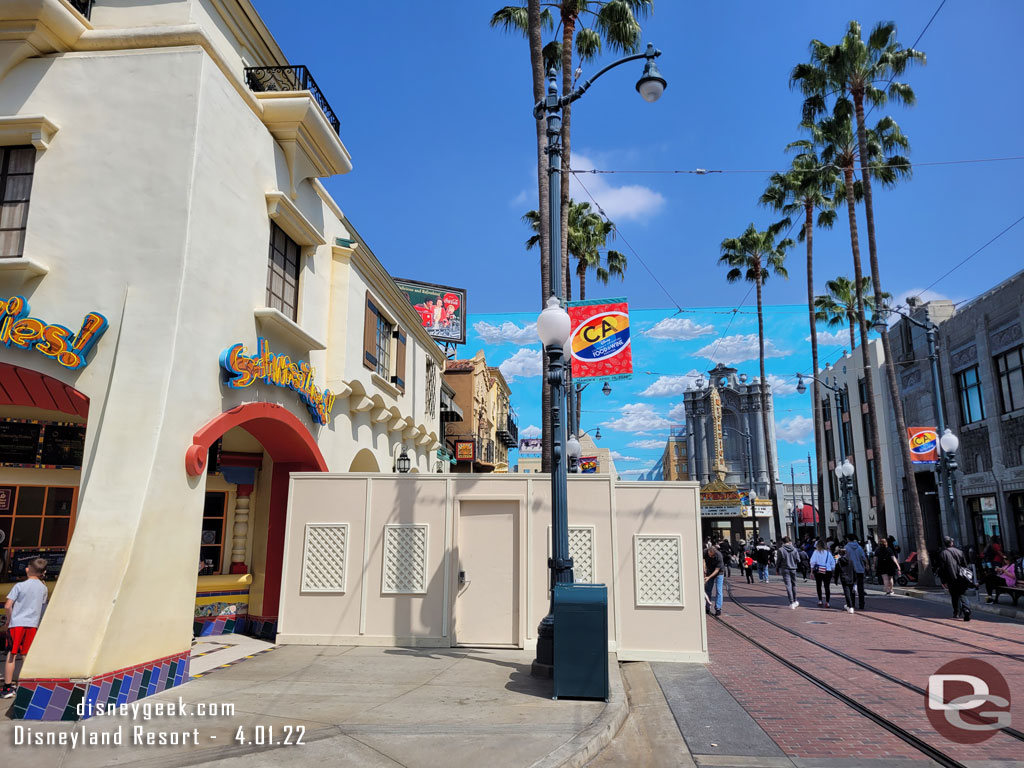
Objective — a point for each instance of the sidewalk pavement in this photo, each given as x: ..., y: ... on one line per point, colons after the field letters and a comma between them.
x: 359, y: 706
x: 1003, y: 607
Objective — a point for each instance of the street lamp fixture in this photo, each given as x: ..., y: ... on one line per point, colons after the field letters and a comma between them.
x: 605, y: 390
x: 553, y: 325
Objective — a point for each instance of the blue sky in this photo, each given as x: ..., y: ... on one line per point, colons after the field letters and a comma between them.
x: 435, y: 108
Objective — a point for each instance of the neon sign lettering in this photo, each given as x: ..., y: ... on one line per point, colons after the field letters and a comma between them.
x: 245, y: 370
x: 70, y: 350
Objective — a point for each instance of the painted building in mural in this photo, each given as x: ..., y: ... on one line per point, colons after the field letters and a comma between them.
x: 480, y: 441
x: 724, y: 417
x: 187, y: 318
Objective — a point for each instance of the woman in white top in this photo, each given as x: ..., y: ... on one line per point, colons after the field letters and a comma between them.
x: 823, y: 563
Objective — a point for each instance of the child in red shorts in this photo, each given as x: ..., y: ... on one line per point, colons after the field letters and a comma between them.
x: 25, y: 605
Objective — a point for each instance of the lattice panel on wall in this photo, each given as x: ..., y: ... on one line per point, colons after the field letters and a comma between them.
x: 405, y: 559
x: 659, y: 569
x: 581, y: 550
x: 323, y: 557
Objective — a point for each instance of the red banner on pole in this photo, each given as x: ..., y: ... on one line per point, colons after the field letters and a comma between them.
x: 600, y: 339
x: 924, y: 444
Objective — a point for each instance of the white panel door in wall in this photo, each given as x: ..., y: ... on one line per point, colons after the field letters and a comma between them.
x: 487, y: 600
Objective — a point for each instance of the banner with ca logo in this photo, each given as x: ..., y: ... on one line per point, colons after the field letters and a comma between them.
x: 599, y: 339
x: 924, y: 444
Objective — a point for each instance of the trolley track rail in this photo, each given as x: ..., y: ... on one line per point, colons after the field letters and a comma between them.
x: 1012, y: 732
x: 980, y: 648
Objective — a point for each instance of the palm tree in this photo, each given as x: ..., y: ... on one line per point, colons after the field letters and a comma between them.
x: 835, y: 135
x: 605, y: 22
x: 530, y: 21
x: 807, y: 187
x: 754, y: 256
x: 854, y: 71
x: 838, y: 306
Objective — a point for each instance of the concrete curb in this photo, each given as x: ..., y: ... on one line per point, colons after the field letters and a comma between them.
x: 978, y: 603
x: 585, y: 745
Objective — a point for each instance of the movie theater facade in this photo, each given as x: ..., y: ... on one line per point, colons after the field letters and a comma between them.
x: 186, y: 318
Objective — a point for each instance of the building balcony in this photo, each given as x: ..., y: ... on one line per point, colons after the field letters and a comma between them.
x: 297, y: 78
x: 84, y: 7
x: 507, y: 430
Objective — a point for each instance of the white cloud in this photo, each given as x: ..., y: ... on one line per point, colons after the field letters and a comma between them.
x: 678, y: 329
x: 677, y: 413
x: 520, y: 199
x: 506, y: 333
x: 619, y: 457
x: 782, y: 386
x: 524, y: 364
x: 629, y: 202
x: 900, y: 298
x: 738, y: 348
x: 832, y: 338
x: 639, y: 418
x: 796, y: 429
x: 666, y: 386
x: 531, y: 431
x: 631, y: 472
x: 647, y: 445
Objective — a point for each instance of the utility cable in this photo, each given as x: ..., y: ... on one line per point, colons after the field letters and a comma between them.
x: 811, y: 169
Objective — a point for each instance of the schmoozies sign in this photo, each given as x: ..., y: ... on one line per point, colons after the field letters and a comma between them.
x: 71, y: 350
x: 245, y: 370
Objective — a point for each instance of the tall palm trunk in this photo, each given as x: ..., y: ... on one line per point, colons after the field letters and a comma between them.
x: 569, y: 12
x: 913, y: 501
x: 543, y: 194
x: 765, y: 415
x: 853, y: 339
x: 815, y: 393
x: 869, y: 386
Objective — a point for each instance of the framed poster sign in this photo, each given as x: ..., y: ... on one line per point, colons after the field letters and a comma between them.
x: 465, y: 450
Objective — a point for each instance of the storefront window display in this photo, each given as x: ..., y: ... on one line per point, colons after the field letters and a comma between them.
x: 211, y: 551
x: 984, y: 515
x: 34, y: 516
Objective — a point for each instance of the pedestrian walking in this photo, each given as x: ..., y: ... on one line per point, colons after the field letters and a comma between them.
x: 748, y: 567
x: 762, y: 554
x: 856, y: 554
x: 952, y: 563
x: 823, y: 563
x: 714, y: 576
x: 789, y: 559
x: 847, y: 577
x: 805, y: 564
x: 725, y: 547
x: 25, y: 605
x: 886, y: 565
x: 992, y: 559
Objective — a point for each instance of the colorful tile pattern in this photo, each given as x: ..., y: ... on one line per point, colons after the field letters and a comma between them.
x: 263, y: 627
x: 220, y: 613
x: 205, y: 626
x: 56, y: 699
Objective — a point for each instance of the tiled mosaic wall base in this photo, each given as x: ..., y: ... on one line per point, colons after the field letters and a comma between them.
x: 263, y: 627
x: 54, y: 699
x: 217, y: 625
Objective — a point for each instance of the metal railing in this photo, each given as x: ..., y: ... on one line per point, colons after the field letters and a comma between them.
x: 485, y: 451
x: 507, y: 429
x: 84, y: 7
x: 296, y: 78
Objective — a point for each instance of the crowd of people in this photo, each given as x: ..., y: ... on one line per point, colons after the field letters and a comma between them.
x: 849, y: 564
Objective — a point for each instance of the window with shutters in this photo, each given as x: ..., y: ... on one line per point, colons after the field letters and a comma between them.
x: 384, y: 345
x: 283, y: 273
x: 17, y: 165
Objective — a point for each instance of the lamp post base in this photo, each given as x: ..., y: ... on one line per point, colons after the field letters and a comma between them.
x: 544, y: 664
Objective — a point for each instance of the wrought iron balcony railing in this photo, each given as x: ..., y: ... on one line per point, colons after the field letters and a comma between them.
x: 84, y: 7
x: 297, y: 78
x: 507, y: 430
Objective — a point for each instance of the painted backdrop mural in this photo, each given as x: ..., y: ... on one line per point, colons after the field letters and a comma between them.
x: 669, y: 350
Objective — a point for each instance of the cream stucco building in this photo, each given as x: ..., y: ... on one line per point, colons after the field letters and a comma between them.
x: 190, y: 318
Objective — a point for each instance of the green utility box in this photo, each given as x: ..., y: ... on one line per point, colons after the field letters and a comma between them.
x: 581, y: 641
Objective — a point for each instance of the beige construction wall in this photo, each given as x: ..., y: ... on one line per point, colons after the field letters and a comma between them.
x: 380, y: 561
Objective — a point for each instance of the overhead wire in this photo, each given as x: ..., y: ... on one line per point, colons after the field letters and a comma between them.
x: 810, y: 169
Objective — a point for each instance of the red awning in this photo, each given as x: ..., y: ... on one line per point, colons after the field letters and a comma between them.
x: 808, y: 514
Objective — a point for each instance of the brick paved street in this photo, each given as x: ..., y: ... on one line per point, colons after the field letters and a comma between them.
x: 908, y: 639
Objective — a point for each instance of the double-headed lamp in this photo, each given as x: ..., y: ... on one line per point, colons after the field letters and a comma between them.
x: 949, y: 442
x: 846, y: 469
x: 553, y: 324
x: 573, y: 448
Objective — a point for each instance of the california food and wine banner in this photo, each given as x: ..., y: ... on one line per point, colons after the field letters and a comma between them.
x: 924, y: 444
x: 600, y: 339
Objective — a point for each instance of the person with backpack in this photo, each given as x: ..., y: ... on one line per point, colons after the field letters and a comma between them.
x: 847, y: 577
x: 952, y: 565
x: 823, y: 563
x: 725, y: 547
x: 762, y: 555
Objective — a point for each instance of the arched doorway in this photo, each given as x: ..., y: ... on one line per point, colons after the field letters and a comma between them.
x: 364, y: 461
x: 291, y: 447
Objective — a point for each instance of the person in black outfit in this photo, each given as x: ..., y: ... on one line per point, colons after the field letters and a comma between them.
x: 951, y: 560
x: 725, y: 547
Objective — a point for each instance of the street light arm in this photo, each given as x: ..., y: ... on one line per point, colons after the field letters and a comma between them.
x: 547, y: 105
x: 928, y: 326
x: 825, y: 384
